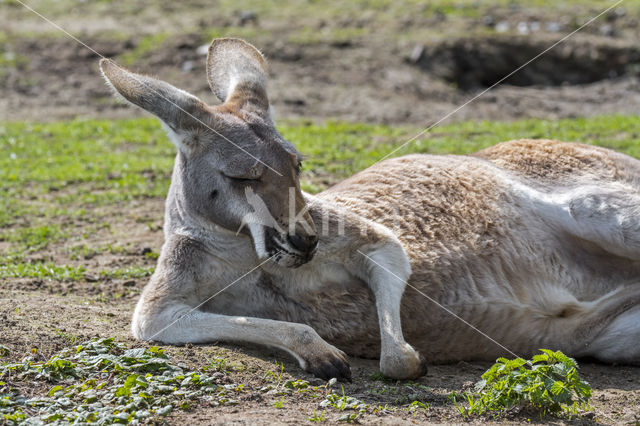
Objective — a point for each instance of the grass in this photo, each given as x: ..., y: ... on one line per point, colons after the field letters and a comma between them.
x: 43, y: 270
x: 55, y: 178
x: 335, y: 150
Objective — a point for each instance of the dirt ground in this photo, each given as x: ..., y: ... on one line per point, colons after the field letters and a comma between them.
x: 414, y: 69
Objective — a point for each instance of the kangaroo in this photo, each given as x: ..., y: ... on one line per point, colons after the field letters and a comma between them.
x: 528, y: 244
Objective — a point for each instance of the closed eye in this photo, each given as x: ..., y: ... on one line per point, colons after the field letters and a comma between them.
x: 243, y: 180
x: 253, y: 175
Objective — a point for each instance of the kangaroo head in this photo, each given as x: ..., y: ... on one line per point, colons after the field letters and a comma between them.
x: 233, y: 168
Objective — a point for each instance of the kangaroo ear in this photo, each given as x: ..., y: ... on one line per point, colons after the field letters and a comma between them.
x: 237, y: 74
x: 176, y: 108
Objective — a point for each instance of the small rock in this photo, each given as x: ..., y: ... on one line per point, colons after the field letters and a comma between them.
x: 620, y: 12
x: 607, y: 30
x: 523, y: 28
x: 502, y: 27
x: 246, y: 16
x: 202, y: 50
x: 488, y: 21
x: 553, y: 27
x: 187, y: 66
x: 91, y: 278
x: 416, y: 54
x: 295, y: 101
x: 129, y: 283
x: 534, y: 26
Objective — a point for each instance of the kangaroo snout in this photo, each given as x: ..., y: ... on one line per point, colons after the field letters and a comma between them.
x: 305, y: 244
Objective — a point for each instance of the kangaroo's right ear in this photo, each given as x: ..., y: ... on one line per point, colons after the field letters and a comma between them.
x: 237, y: 74
x: 176, y: 108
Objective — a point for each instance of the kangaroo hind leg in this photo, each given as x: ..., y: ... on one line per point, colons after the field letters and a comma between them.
x: 607, y: 329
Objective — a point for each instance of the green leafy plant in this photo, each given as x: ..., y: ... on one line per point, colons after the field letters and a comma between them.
x: 103, y: 381
x: 548, y: 384
x: 344, y: 403
x: 279, y: 403
x: 317, y: 417
x: 416, y: 406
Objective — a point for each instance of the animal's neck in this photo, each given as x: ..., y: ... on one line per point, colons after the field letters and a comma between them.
x: 220, y: 241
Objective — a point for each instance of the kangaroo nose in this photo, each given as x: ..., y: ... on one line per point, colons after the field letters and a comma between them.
x: 305, y: 244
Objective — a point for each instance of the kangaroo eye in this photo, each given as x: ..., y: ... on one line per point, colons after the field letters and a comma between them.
x: 254, y: 174
x: 243, y: 179
x: 213, y: 194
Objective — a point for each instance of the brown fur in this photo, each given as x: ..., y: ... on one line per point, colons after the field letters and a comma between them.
x: 551, y: 161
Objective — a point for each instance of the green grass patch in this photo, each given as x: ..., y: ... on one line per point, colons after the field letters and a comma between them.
x: 40, y: 270
x: 129, y: 156
x: 31, y: 239
x: 335, y: 150
x: 54, y: 177
x: 128, y: 273
x: 101, y: 381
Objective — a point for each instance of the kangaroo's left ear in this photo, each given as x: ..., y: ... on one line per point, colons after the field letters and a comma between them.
x: 237, y: 74
x: 175, y: 107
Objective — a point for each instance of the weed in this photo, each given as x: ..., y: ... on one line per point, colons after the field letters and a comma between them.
x: 275, y: 377
x: 217, y: 364
x: 317, y: 417
x: 379, y: 377
x: 128, y: 273
x: 417, y: 405
x: 548, y: 384
x: 153, y: 255
x: 345, y: 403
x: 222, y: 365
x: 279, y: 403
x: 382, y: 411
x: 71, y: 339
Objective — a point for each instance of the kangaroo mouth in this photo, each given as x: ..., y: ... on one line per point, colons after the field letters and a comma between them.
x: 283, y: 254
